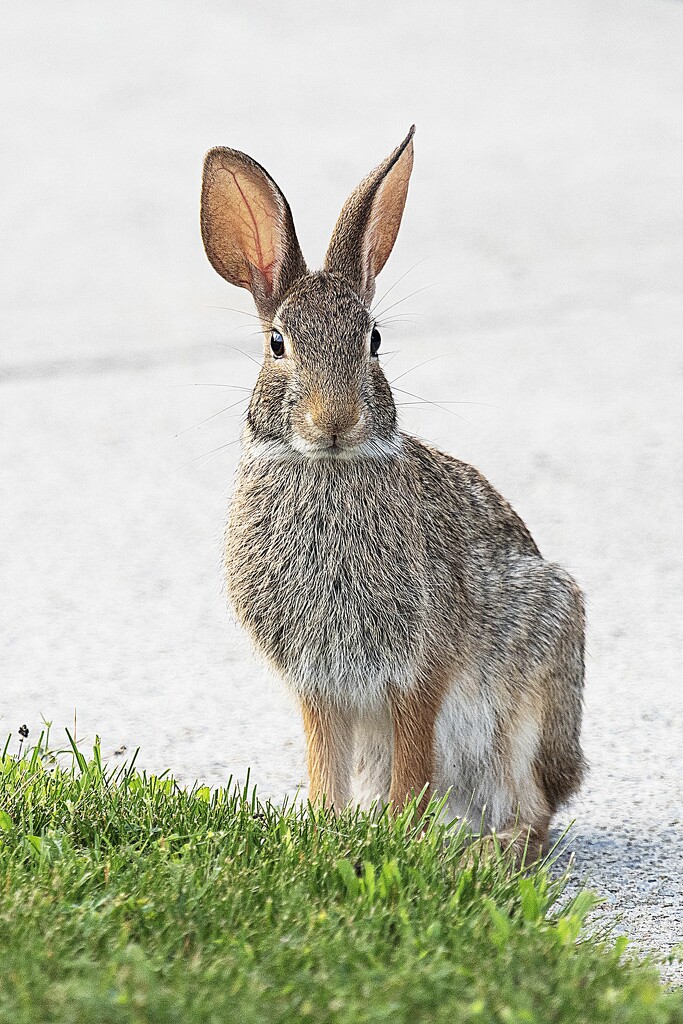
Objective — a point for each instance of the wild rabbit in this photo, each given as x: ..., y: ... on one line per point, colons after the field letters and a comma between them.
x: 394, y: 590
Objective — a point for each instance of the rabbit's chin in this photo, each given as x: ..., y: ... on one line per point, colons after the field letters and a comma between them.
x: 298, y: 447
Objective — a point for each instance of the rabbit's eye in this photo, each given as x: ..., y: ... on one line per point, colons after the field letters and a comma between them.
x: 277, y: 344
x: 375, y: 341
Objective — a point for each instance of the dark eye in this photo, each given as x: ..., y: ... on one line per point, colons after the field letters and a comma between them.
x: 277, y: 344
x: 375, y: 341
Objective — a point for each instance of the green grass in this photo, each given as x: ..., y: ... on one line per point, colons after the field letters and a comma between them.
x: 126, y: 898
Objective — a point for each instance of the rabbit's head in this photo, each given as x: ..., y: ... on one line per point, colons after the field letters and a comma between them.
x: 321, y: 390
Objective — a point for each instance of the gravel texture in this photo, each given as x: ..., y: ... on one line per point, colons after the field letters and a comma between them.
x: 546, y: 204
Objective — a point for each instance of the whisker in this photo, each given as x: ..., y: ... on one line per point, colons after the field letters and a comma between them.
x: 409, y: 271
x: 417, y: 367
x: 233, y: 387
x: 428, y: 401
x: 397, y: 320
x: 440, y: 402
x: 241, y: 352
x: 199, y: 468
x: 243, y: 312
x: 213, y: 416
x: 213, y: 452
x: 254, y: 334
x: 404, y: 312
x: 248, y: 327
x: 409, y: 296
x: 485, y: 405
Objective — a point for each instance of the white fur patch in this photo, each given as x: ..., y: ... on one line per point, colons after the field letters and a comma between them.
x: 373, y: 752
x: 486, y: 783
x: 349, y: 678
x: 267, y: 451
x: 282, y: 451
x: 524, y: 740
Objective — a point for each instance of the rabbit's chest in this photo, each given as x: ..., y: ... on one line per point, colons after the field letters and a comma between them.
x: 326, y: 571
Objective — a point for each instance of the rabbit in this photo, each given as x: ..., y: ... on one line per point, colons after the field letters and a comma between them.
x: 404, y: 603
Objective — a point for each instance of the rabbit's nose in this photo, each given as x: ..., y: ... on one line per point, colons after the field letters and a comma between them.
x: 336, y: 422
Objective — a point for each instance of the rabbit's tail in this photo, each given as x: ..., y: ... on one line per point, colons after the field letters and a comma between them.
x: 560, y: 762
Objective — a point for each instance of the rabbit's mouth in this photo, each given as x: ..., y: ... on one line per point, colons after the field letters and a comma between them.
x: 338, y: 449
x: 334, y: 447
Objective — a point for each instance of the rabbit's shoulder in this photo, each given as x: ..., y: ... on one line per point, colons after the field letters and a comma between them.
x: 463, y: 505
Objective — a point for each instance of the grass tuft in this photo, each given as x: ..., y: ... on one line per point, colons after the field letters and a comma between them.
x: 126, y: 898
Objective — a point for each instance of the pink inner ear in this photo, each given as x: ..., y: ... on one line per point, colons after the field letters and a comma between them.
x: 259, y: 230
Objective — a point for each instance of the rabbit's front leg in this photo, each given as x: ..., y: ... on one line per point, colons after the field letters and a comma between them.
x: 414, y: 718
x: 329, y: 742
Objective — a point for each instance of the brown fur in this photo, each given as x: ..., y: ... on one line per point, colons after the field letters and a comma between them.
x: 413, y: 717
x: 329, y: 739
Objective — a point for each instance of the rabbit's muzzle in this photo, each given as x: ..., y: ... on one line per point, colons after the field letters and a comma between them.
x: 328, y: 426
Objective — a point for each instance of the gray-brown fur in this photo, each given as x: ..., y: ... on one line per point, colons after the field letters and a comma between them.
x: 388, y: 583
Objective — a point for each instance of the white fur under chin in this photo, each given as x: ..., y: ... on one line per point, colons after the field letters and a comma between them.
x: 375, y: 448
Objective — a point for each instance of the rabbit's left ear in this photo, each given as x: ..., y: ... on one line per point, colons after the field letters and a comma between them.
x: 368, y: 224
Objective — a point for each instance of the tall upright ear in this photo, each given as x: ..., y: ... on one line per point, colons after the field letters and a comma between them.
x: 247, y: 228
x: 368, y: 224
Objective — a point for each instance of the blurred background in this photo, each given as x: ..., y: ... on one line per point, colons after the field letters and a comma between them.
x: 537, y: 280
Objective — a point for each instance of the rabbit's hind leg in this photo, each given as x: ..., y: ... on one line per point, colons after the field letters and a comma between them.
x: 544, y: 673
x: 525, y: 842
x: 329, y: 743
x: 413, y: 714
x: 524, y: 828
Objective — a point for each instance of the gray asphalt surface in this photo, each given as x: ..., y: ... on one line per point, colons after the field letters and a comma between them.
x: 546, y: 207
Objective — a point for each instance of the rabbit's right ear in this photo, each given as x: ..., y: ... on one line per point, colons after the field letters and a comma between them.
x: 368, y: 224
x: 247, y: 228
